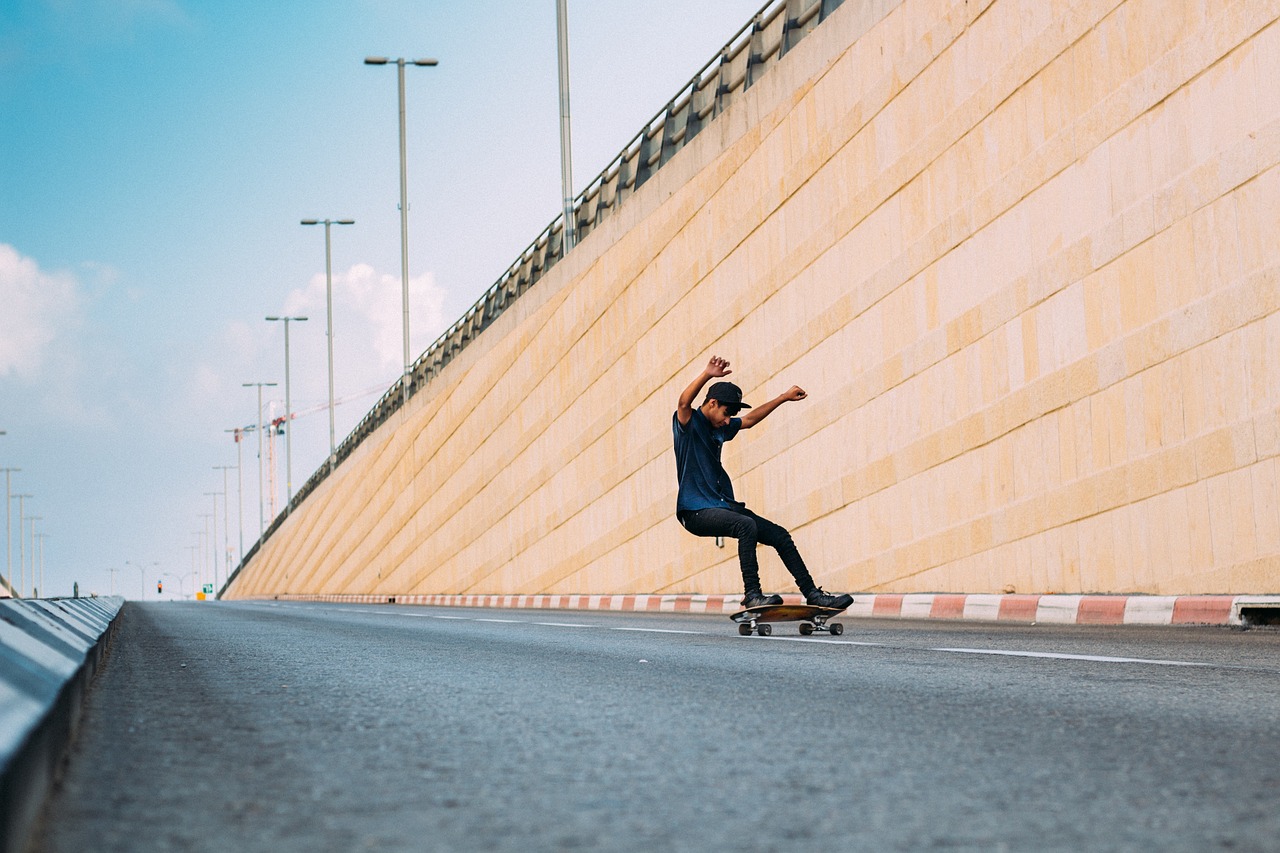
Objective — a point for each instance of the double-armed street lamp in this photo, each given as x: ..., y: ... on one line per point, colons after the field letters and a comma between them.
x: 288, y: 410
x: 262, y: 511
x: 328, y: 291
x: 400, y: 63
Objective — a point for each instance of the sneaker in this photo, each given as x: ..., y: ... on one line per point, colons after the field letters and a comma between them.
x: 821, y: 598
x: 759, y: 599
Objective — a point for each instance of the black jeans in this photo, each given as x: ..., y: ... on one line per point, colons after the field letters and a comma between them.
x: 749, y: 529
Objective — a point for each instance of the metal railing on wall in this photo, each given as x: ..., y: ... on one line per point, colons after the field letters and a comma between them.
x: 765, y: 39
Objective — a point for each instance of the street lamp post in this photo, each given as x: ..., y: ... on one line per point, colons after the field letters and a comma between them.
x: 32, y: 589
x: 570, y: 237
x: 142, y: 579
x: 41, y: 537
x: 288, y: 411
x: 404, y: 206
x: 213, y: 538
x: 226, y: 529
x: 262, y: 511
x: 194, y: 549
x: 22, y: 558
x: 239, y: 436
x: 8, y: 526
x: 328, y: 291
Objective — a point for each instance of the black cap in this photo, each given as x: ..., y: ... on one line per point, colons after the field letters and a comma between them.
x: 729, y: 394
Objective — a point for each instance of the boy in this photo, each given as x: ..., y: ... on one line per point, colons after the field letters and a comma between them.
x: 706, y: 505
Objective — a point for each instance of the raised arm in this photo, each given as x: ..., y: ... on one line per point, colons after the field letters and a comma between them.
x: 754, y: 416
x: 715, y: 368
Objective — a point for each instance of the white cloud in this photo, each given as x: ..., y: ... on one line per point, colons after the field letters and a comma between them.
x: 368, y: 319
x: 36, y: 308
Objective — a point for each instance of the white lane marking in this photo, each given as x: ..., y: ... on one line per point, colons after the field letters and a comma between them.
x: 998, y: 652
x: 823, y: 640
x: 1064, y: 656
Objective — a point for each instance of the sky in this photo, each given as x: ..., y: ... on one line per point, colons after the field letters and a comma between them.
x: 156, y: 158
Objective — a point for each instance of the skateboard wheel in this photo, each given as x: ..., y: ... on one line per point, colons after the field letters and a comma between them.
x: 744, y: 629
x: 836, y: 629
x: 806, y: 628
x: 764, y: 630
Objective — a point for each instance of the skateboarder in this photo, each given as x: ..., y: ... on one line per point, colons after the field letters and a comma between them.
x: 706, y: 505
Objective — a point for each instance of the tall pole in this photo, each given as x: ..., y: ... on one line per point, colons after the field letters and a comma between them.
x: 213, y: 539
x: 31, y: 587
x: 226, y: 528
x: 41, y: 537
x: 22, y: 560
x: 8, y: 527
x: 142, y: 578
x: 404, y: 212
x: 404, y: 235
x: 262, y: 508
x: 566, y: 166
x: 328, y: 291
x: 288, y: 411
x: 239, y: 437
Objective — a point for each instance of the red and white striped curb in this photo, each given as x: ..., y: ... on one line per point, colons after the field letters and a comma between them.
x: 1033, y: 609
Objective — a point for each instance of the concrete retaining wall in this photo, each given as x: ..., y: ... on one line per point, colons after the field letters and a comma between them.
x: 49, y: 651
x: 1022, y: 255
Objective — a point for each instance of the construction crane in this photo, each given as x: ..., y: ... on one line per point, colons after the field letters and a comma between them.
x: 273, y: 425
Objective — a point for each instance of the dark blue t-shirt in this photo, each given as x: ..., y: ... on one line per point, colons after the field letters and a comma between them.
x: 703, y: 481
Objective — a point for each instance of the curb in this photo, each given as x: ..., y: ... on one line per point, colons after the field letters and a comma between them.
x: 49, y: 652
x: 1027, y: 609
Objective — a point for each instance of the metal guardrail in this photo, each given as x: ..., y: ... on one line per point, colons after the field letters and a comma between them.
x: 765, y: 39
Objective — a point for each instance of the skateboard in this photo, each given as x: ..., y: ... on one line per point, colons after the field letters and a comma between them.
x: 810, y: 617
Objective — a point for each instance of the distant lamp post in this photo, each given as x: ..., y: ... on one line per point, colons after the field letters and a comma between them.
x: 404, y: 206
x: 8, y: 525
x: 142, y: 578
x: 33, y: 590
x: 239, y: 438
x: 262, y: 510
x: 328, y: 290
x: 213, y: 537
x: 22, y: 557
x: 226, y: 510
x: 41, y: 537
x: 288, y: 410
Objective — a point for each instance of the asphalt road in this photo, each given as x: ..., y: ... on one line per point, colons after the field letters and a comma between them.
x: 324, y: 727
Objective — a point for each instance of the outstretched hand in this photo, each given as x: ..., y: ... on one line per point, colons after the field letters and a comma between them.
x: 718, y: 367
x: 796, y: 393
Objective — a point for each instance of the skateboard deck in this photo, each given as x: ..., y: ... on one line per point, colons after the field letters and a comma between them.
x: 811, y: 618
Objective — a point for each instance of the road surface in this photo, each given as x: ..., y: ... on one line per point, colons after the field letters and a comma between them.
x: 300, y: 727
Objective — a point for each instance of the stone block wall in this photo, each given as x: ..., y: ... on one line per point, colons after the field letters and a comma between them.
x: 1022, y: 254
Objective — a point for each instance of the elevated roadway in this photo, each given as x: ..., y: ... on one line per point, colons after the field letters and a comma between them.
x: 280, y: 727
